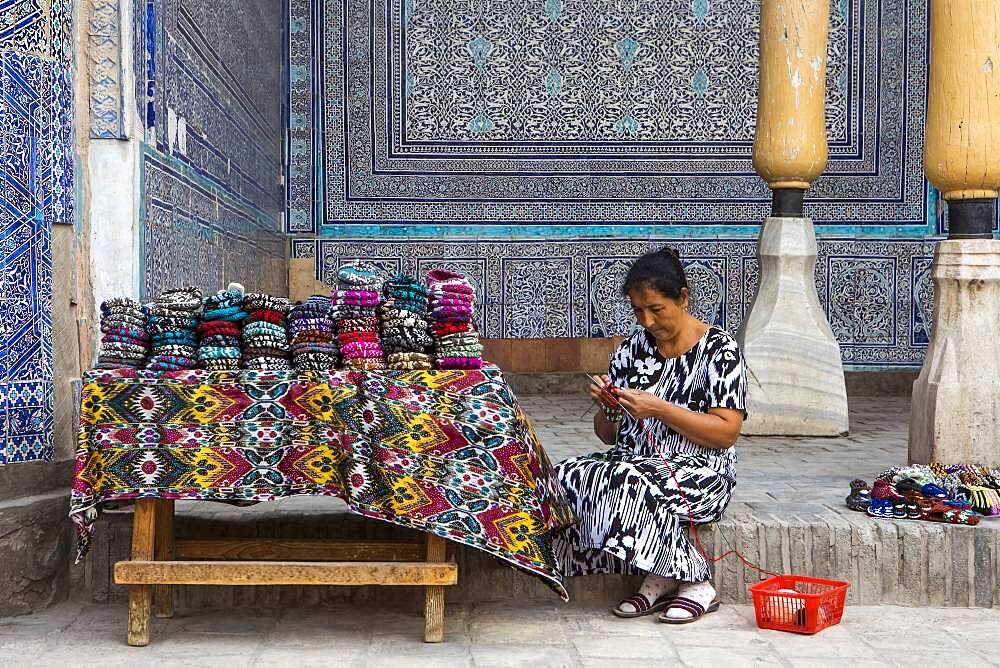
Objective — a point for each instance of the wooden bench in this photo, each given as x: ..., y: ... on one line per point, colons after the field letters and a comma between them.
x: 160, y: 561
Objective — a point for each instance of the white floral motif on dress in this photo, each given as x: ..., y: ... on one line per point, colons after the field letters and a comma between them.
x: 646, y: 368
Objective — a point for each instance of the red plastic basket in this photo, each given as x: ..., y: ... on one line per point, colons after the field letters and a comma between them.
x: 798, y: 604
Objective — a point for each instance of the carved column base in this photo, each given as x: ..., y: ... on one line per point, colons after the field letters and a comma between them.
x: 955, y: 414
x: 796, y: 378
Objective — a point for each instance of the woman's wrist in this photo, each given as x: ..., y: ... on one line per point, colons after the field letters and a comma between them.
x: 666, y: 412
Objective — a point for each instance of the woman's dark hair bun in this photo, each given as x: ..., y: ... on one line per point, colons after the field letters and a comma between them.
x: 669, y: 251
x: 660, y: 270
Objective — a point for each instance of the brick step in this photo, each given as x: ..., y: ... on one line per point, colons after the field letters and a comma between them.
x: 910, y: 563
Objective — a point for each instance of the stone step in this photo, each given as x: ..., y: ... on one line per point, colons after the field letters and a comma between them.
x: 910, y: 563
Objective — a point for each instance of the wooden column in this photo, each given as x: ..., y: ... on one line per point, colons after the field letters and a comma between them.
x: 955, y: 411
x: 962, y: 153
x: 789, y: 147
x: 796, y: 387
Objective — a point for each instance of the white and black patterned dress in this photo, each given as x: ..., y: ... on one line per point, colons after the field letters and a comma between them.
x: 632, y: 518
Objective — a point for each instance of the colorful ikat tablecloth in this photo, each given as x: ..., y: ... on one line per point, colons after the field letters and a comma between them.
x: 446, y: 452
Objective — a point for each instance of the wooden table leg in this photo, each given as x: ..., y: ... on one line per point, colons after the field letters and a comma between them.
x: 143, y: 542
x: 434, y: 595
x: 163, y: 595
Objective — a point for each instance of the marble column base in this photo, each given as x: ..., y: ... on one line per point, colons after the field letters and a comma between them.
x: 795, y: 375
x: 955, y: 412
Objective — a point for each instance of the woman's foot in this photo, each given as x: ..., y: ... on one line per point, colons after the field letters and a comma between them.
x: 693, y: 600
x: 654, y: 594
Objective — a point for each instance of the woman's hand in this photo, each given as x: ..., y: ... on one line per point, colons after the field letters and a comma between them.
x: 600, y: 392
x: 639, y: 403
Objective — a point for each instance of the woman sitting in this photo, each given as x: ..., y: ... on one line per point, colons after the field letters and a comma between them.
x: 681, y: 395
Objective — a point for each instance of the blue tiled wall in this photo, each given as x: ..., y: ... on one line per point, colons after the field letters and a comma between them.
x: 539, y: 146
x: 213, y: 197
x: 36, y: 192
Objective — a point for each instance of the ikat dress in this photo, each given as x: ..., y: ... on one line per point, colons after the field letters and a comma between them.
x: 632, y: 517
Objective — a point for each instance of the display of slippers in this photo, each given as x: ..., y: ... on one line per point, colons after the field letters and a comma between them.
x: 960, y: 502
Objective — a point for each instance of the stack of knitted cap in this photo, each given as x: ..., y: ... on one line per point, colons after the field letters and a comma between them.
x: 265, y: 337
x: 457, y: 343
x: 173, y: 317
x: 311, y: 328
x: 355, y: 315
x: 405, y: 335
x: 219, y: 330
x: 125, y: 342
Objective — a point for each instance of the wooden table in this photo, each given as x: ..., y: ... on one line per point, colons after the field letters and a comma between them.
x: 160, y: 561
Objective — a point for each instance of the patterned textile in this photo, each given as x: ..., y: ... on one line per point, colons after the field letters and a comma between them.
x: 446, y: 452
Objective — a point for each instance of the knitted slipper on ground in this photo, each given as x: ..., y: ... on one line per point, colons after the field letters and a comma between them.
x: 939, y: 512
x: 696, y: 609
x: 860, y: 497
x: 909, y: 485
x: 642, y: 605
x: 880, y: 508
x: 933, y: 490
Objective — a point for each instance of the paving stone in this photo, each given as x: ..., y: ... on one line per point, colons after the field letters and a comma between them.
x: 333, y: 657
x: 728, y: 656
x: 208, y: 644
x: 501, y: 655
x: 254, y: 624
x: 837, y: 662
x: 609, y: 625
x: 610, y: 647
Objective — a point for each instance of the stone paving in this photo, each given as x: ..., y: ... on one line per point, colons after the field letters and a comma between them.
x: 495, y: 635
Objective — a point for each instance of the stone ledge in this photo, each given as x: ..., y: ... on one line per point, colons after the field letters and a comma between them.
x: 911, y: 563
x: 35, y: 544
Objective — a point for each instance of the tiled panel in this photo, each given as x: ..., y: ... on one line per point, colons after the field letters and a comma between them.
x: 213, y: 197
x: 860, y: 297
x: 105, y: 71
x: 877, y: 293
x: 36, y: 149
x: 423, y: 132
x: 197, y: 233
x: 25, y: 27
x: 536, y: 294
x: 449, y: 119
x: 921, y: 300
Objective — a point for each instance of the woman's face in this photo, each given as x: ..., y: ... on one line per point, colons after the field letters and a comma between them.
x: 660, y: 315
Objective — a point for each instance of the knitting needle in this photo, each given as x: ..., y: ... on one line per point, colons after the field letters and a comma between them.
x: 593, y: 402
x: 607, y: 393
